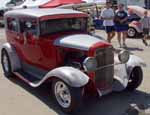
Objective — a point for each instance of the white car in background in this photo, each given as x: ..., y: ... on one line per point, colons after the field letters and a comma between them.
x: 135, y: 15
x: 31, y: 4
x: 3, y: 8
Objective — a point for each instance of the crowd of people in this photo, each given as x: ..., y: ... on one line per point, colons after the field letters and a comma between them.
x: 116, y: 22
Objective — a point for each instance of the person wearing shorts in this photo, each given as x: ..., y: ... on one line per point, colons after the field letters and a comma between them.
x: 121, y: 24
x: 107, y: 15
x: 145, y: 21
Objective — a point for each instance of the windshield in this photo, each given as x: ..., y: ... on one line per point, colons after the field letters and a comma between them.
x: 62, y: 25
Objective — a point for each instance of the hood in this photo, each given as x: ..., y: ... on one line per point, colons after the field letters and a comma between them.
x: 79, y: 41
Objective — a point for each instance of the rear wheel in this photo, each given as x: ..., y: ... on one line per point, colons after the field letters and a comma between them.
x: 132, y: 32
x: 68, y: 98
x: 6, y: 64
x: 136, y: 78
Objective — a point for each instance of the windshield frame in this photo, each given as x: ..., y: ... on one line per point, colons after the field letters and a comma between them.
x: 84, y: 30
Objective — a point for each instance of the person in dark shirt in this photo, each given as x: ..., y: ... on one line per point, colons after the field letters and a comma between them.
x: 121, y: 24
x: 145, y: 21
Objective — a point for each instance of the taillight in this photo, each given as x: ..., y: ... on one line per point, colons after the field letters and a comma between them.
x: 137, y: 23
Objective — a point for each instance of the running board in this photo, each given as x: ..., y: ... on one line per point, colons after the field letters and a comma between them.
x: 27, y: 78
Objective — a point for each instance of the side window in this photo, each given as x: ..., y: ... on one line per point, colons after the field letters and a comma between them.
x: 133, y: 17
x: 12, y: 24
x: 29, y: 25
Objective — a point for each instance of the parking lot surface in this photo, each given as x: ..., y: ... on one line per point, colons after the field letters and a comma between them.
x: 17, y: 98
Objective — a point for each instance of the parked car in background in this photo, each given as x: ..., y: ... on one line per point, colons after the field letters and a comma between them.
x: 30, y: 4
x: 53, y: 46
x: 6, y: 5
x: 3, y: 8
x: 135, y: 15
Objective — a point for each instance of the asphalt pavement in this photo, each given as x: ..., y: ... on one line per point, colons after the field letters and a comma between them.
x: 17, y: 98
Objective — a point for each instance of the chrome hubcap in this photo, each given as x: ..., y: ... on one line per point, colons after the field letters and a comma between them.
x: 5, y: 63
x: 131, y: 32
x: 62, y: 94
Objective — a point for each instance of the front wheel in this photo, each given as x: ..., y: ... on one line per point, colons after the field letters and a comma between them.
x: 6, y: 64
x: 68, y: 98
x: 135, y: 79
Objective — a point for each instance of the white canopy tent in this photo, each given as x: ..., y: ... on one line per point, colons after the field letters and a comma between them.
x: 32, y: 3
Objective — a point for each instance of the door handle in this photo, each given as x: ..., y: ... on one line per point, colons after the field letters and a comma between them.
x: 18, y: 37
x: 25, y: 38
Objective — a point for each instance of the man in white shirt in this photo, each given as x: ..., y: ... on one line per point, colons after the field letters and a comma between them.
x: 107, y: 15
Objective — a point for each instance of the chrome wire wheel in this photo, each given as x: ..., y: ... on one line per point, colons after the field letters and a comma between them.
x: 132, y: 32
x: 62, y: 94
x: 5, y: 63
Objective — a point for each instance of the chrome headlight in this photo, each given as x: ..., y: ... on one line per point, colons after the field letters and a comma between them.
x: 90, y: 64
x: 124, y: 56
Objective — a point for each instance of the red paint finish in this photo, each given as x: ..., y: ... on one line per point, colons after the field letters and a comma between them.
x: 91, y: 53
x: 62, y: 16
x: 42, y: 53
x: 56, y: 3
x: 136, y: 23
x: 92, y: 50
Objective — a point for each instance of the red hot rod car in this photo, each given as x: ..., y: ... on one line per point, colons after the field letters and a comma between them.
x: 53, y: 45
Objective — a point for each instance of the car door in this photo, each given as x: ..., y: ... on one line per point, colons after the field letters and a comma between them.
x: 12, y: 32
x: 31, y: 52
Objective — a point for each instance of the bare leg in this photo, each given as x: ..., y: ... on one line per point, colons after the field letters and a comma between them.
x: 119, y: 38
x: 112, y: 34
x: 124, y: 38
x: 144, y: 39
x: 109, y: 37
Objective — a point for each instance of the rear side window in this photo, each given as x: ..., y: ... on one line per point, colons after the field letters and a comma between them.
x: 133, y: 17
x: 28, y: 25
x: 12, y: 24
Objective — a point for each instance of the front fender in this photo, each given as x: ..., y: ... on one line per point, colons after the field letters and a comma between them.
x: 123, y: 71
x: 70, y: 75
x: 134, y: 61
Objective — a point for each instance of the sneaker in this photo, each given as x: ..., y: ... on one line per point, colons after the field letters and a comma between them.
x: 145, y: 43
x: 120, y: 45
x: 124, y: 45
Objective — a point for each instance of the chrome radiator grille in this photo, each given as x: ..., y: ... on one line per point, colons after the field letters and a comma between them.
x: 104, y: 77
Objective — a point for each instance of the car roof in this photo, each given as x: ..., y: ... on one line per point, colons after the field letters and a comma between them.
x: 138, y: 10
x: 41, y: 12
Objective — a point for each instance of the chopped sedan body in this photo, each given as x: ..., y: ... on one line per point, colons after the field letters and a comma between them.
x: 54, y: 46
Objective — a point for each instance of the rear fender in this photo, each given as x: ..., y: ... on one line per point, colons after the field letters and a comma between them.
x: 137, y: 28
x: 14, y: 59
